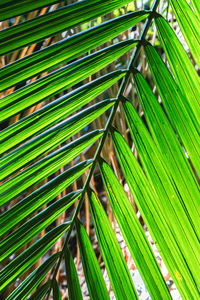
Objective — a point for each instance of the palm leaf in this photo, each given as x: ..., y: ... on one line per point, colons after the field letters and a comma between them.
x: 31, y: 228
x: 62, y: 79
x: 56, y: 290
x: 134, y: 234
x: 74, y: 289
x: 51, y: 138
x: 196, y: 7
x: 147, y: 201
x: 41, y: 291
x: 162, y: 133
x: 49, y: 105
x: 54, y: 22
x: 46, y: 166
x: 25, y: 260
x: 182, y: 68
x: 40, y: 197
x: 8, y: 9
x: 66, y: 50
x: 189, y: 24
x: 34, y: 279
x: 111, y: 252
x: 158, y: 175
x: 94, y: 278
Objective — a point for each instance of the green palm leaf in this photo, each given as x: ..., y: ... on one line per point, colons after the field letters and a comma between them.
x: 182, y: 68
x: 66, y: 50
x: 46, y: 166
x: 34, y: 279
x: 51, y: 138
x: 58, y: 107
x: 74, y: 289
x: 196, y: 6
x: 9, y: 9
x: 147, y: 201
x: 40, y: 197
x: 111, y: 252
x: 176, y: 106
x: 171, y: 201
x: 31, y: 228
x: 25, y: 260
x: 134, y: 234
x: 54, y: 22
x: 166, y: 140
x: 61, y: 80
x: 56, y: 291
x: 41, y: 291
x: 94, y: 278
x: 189, y: 25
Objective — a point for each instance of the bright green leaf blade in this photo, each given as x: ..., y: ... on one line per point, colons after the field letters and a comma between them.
x: 196, y: 6
x: 189, y: 24
x: 147, y: 202
x: 115, y: 263
x: 66, y: 50
x: 54, y: 112
x: 46, y: 166
x: 25, y: 260
x: 41, y: 291
x: 10, y: 9
x: 181, y: 66
x: 74, y: 290
x: 40, y: 197
x: 173, y: 154
x: 34, y: 226
x: 170, y: 202
x: 60, y: 80
x: 51, y: 138
x: 56, y: 290
x: 52, y: 23
x: 34, y: 279
x: 134, y: 235
x: 93, y: 275
x: 176, y: 106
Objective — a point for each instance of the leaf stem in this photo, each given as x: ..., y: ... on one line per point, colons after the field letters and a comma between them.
x: 106, y: 130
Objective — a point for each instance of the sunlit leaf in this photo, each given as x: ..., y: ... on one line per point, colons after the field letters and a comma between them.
x: 95, y: 282
x: 111, y: 252
x: 25, y: 260
x: 34, y: 279
x: 66, y: 49
x: 40, y: 197
x: 34, y: 226
x: 74, y: 289
x: 189, y: 24
x: 133, y: 234
x: 51, y: 138
x: 147, y: 202
x: 182, y: 68
x: 176, y: 105
x: 54, y: 22
x: 46, y: 166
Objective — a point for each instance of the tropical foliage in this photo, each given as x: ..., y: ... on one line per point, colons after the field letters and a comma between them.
x: 41, y: 140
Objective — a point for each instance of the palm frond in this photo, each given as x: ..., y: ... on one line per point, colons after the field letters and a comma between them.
x: 60, y: 109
